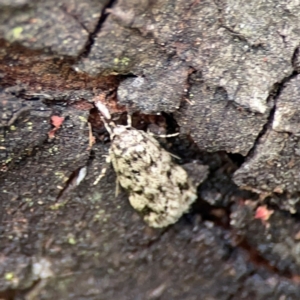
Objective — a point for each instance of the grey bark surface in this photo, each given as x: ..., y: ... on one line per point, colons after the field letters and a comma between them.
x: 226, y: 74
x: 279, y: 147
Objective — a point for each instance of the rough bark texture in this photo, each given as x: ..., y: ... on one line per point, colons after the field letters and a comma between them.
x: 223, y: 72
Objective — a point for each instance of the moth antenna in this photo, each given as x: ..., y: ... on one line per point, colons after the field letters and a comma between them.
x: 163, y: 135
x: 106, y: 117
x: 108, y: 126
x: 103, y: 110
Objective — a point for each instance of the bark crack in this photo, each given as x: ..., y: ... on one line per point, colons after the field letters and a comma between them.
x: 92, y: 35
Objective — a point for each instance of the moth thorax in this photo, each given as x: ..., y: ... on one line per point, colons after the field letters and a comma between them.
x: 119, y: 130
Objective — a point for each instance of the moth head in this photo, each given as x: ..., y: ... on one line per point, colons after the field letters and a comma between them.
x: 118, y: 130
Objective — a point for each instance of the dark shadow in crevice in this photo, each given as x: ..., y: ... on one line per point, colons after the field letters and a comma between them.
x: 237, y: 158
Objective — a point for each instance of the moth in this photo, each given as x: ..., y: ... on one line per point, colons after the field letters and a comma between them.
x: 158, y: 189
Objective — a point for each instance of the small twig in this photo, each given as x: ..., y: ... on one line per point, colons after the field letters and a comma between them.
x: 91, y: 136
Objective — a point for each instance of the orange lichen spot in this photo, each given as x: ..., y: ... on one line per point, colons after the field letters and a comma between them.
x: 263, y: 213
x: 56, y: 121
